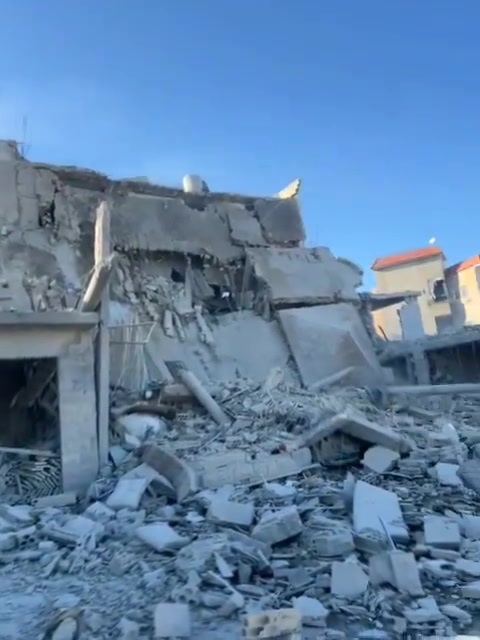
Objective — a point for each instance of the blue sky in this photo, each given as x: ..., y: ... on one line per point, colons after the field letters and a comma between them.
x: 375, y: 104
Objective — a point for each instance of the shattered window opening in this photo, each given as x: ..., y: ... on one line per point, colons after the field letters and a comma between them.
x: 439, y: 290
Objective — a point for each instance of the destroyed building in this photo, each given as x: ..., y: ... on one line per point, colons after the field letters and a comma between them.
x: 220, y: 283
x: 177, y: 456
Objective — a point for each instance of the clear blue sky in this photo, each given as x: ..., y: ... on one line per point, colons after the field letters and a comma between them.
x: 375, y: 104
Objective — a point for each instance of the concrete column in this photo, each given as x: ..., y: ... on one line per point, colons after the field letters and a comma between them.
x: 421, y: 366
x: 78, y: 416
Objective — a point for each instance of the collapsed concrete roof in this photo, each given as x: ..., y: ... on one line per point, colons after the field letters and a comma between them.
x: 150, y: 217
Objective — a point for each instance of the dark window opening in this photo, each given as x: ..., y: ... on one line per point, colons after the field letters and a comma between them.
x: 439, y: 290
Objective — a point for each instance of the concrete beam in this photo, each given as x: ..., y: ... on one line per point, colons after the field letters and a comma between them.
x: 37, y: 319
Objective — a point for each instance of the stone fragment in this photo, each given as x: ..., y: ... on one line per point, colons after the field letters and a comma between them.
x: 446, y: 474
x: 8, y: 541
x: 280, y: 623
x: 375, y: 512
x: 349, y: 580
x: 156, y: 481
x: 66, y: 630
x: 234, y: 513
x: 380, y: 459
x: 397, y: 568
x: 427, y: 611
x: 172, y: 621
x: 141, y: 425
x: 236, y: 467
x: 99, y: 512
x: 455, y: 613
x: 20, y: 514
x: 313, y: 613
x: 128, y: 493
x: 471, y: 591
x: 471, y: 527
x: 357, y: 426
x: 128, y: 629
x: 332, y: 543
x: 469, y: 472
x: 199, y: 555
x: 58, y: 500
x: 441, y: 532
x: 278, y: 526
x: 161, y: 537
x: 178, y: 473
x: 468, y: 567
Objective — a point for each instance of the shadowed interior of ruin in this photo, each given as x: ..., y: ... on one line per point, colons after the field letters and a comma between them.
x: 29, y: 420
x: 455, y: 364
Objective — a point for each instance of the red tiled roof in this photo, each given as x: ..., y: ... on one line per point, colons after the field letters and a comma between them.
x: 405, y: 258
x: 466, y: 264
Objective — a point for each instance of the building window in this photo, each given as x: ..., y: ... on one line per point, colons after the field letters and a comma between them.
x: 438, y: 290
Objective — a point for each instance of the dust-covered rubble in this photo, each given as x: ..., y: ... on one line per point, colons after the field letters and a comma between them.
x: 352, y: 538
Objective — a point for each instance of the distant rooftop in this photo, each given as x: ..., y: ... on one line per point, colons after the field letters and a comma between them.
x: 404, y: 258
x: 463, y: 266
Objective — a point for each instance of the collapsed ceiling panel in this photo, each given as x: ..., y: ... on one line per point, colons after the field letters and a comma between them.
x: 327, y: 338
x: 302, y: 276
x: 281, y: 220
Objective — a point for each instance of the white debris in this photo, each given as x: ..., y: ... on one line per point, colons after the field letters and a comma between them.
x: 128, y: 493
x: 234, y: 513
x: 172, y: 621
x: 277, y: 526
x: 313, y: 613
x: 447, y: 474
x: 349, y: 580
x: 441, y: 532
x: 380, y: 459
x: 161, y: 537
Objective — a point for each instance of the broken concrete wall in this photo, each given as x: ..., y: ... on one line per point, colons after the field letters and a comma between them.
x: 303, y: 276
x: 47, y: 217
x: 181, y: 266
x: 243, y: 344
x: 325, y: 339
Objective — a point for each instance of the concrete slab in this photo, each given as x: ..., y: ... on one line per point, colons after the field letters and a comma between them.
x: 447, y: 474
x: 281, y: 220
x: 245, y: 230
x: 377, y: 512
x: 349, y: 580
x: 441, y: 532
x: 325, y: 339
x: 277, y: 526
x: 380, y: 459
x: 236, y: 467
x: 297, y: 275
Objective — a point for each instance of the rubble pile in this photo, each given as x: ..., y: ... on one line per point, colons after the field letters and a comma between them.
x: 305, y: 515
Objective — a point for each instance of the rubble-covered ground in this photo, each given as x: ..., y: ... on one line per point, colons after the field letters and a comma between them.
x: 358, y: 521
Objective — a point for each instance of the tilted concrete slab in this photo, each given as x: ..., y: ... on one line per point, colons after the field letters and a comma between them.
x: 377, y: 516
x: 306, y: 276
x: 280, y: 219
x: 324, y: 339
x: 245, y: 230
